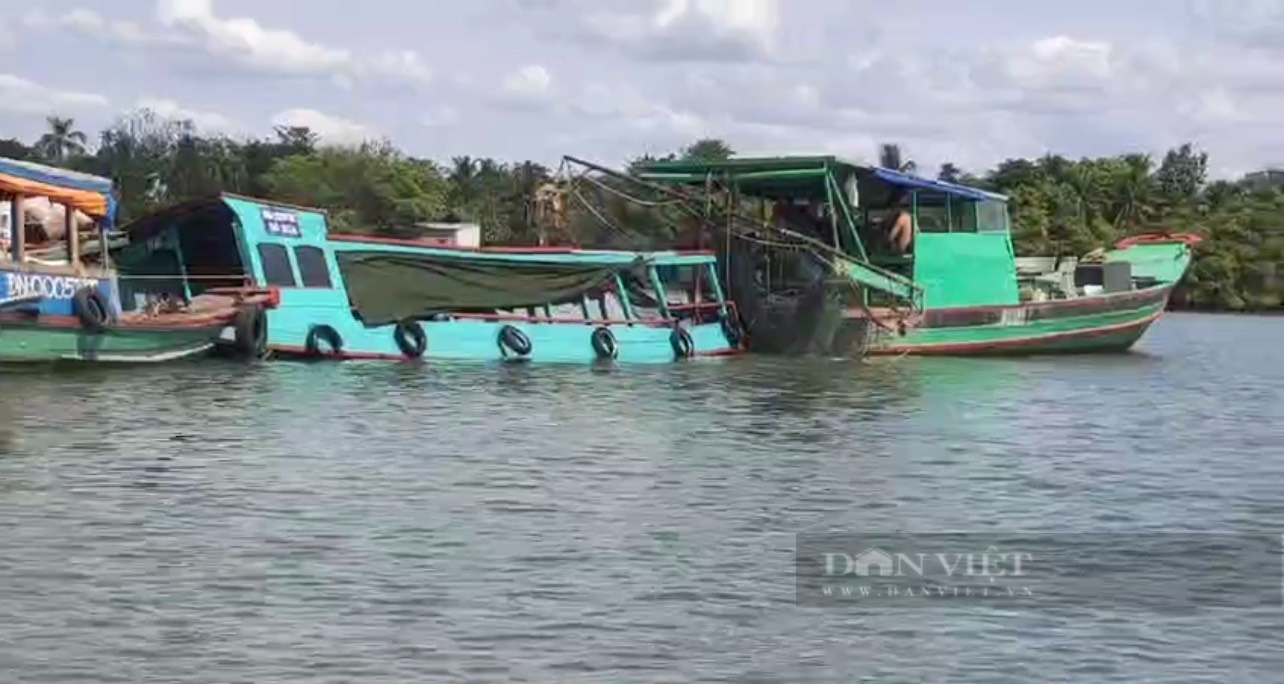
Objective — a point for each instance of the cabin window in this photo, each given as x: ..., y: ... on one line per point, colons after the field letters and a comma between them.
x: 277, y: 270
x: 313, y: 269
x: 962, y: 215
x: 933, y: 212
x: 991, y: 217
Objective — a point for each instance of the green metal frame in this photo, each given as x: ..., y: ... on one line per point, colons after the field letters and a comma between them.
x: 739, y: 173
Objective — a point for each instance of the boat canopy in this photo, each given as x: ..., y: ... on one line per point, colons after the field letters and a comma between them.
x: 905, y: 180
x: 92, y: 195
x: 386, y: 286
x: 796, y: 177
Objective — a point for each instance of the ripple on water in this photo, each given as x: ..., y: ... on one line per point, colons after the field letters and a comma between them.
x: 463, y: 522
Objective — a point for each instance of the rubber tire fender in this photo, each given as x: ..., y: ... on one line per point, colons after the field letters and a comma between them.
x: 91, y: 308
x: 514, y: 340
x: 683, y: 345
x: 410, y: 338
x: 604, y: 344
x: 323, y: 333
x: 732, y: 330
x: 251, y: 332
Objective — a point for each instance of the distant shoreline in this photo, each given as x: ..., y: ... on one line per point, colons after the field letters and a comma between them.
x: 1268, y: 313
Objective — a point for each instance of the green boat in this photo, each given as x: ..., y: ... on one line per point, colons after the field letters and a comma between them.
x: 61, y: 299
x: 832, y: 257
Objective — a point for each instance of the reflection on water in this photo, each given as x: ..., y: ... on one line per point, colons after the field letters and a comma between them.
x: 10, y: 427
x: 382, y: 522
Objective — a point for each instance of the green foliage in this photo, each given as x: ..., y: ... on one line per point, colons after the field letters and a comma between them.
x: 1059, y: 205
x: 367, y: 187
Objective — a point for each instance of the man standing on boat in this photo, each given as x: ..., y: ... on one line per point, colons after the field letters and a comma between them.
x: 900, y: 225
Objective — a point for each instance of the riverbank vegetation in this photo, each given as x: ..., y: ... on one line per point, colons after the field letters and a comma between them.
x: 1060, y: 205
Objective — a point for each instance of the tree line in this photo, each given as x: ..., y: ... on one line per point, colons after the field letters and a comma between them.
x: 1059, y: 205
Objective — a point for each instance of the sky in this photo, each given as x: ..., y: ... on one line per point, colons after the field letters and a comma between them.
x: 970, y: 82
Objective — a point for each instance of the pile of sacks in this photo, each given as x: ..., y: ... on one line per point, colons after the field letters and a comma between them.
x: 50, y: 219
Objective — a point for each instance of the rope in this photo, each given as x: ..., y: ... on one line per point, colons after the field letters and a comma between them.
x: 625, y: 196
x: 608, y: 222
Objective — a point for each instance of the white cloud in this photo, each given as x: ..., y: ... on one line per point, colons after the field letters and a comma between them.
x: 1253, y: 23
x: 89, y: 23
x: 206, y: 122
x: 680, y: 30
x: 330, y: 129
x: 240, y: 42
x: 21, y: 96
x: 529, y: 82
x: 968, y: 86
x: 440, y: 117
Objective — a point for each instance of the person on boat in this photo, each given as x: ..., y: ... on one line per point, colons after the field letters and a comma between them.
x: 900, y: 225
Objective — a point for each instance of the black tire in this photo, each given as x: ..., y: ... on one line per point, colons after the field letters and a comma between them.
x: 731, y: 330
x: 91, y: 309
x: 251, y: 332
x: 683, y: 345
x: 514, y: 340
x: 320, y: 334
x: 410, y: 338
x: 604, y: 343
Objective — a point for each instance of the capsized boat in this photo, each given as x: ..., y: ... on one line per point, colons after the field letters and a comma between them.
x: 361, y: 297
x: 932, y: 263
x: 62, y: 302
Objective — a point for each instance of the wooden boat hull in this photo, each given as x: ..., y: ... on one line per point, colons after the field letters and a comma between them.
x: 27, y: 340
x: 1095, y: 324
x: 38, y: 322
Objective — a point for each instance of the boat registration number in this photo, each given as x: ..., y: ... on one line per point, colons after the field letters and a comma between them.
x: 281, y: 223
x: 46, y: 286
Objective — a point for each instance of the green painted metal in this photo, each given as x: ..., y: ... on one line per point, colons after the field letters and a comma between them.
x: 831, y: 185
x: 717, y: 288
x: 970, y: 265
x: 1114, y: 331
x: 27, y: 342
x: 1166, y: 263
x: 879, y: 279
x: 965, y: 269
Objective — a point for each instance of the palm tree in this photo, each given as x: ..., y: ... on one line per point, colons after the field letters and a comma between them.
x: 1132, y: 199
x: 62, y: 141
x: 463, y: 180
x: 889, y: 157
x: 949, y: 173
x: 297, y: 139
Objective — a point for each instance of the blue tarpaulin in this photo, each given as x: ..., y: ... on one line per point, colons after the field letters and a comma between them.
x: 906, y: 180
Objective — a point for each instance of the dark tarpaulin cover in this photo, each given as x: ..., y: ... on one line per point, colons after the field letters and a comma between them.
x: 386, y: 287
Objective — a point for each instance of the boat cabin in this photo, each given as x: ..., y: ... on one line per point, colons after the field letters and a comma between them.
x: 361, y: 287
x: 953, y: 242
x: 51, y: 223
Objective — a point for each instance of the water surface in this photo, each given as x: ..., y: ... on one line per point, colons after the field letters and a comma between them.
x: 370, y: 522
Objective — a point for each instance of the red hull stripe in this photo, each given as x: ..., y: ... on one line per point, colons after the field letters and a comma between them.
x: 1019, y: 343
x: 966, y: 317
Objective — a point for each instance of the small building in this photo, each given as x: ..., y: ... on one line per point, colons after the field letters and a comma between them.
x: 1266, y: 178
x: 449, y: 234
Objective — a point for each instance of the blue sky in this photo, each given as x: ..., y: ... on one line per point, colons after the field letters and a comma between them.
x: 968, y: 82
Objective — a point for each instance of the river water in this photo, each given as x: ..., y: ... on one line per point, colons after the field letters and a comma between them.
x: 370, y: 522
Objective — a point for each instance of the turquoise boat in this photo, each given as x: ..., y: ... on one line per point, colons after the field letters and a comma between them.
x: 61, y: 301
x: 359, y: 297
x: 868, y: 260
